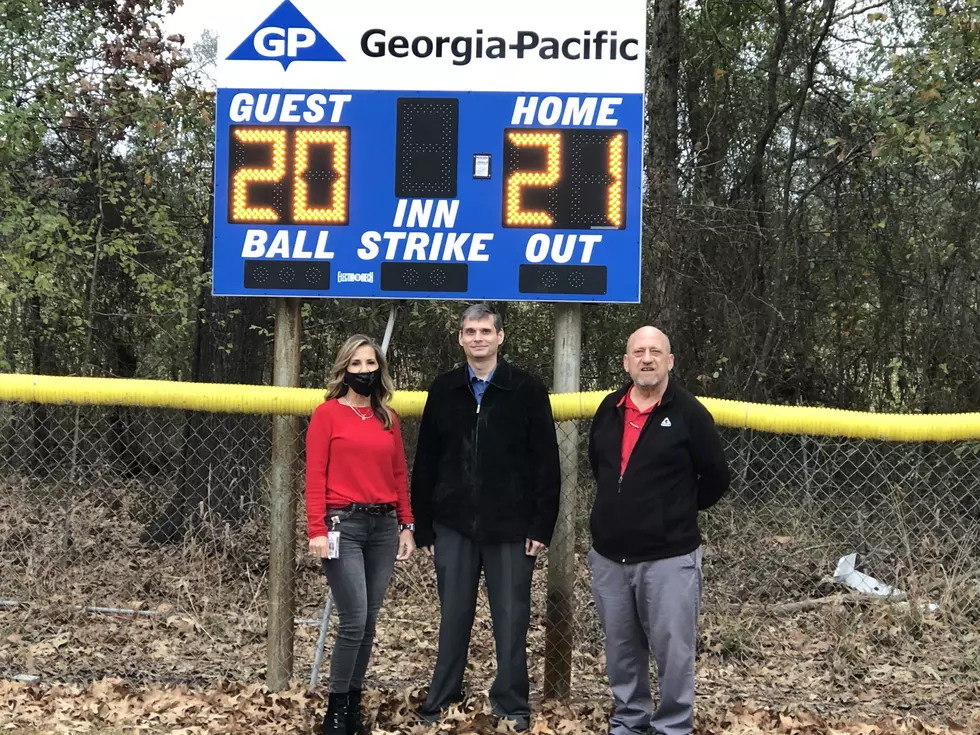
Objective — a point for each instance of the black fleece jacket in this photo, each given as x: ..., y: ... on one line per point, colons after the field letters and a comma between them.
x: 677, y: 468
x: 489, y: 471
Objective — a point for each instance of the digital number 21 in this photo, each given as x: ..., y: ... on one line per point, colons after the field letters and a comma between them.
x: 552, y: 143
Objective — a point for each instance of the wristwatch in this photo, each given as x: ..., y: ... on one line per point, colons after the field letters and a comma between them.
x: 407, y: 527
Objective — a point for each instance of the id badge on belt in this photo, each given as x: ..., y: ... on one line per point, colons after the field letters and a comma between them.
x: 333, y: 539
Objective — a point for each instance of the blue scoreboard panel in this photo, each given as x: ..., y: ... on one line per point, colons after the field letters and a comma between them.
x: 422, y: 193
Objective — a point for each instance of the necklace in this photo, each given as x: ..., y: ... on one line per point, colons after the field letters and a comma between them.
x: 361, y: 416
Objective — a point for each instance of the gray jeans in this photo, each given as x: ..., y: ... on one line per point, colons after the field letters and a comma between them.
x: 358, y: 580
x: 649, y: 608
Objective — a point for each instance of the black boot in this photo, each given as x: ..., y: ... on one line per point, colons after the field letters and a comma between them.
x: 355, y: 726
x: 335, y: 721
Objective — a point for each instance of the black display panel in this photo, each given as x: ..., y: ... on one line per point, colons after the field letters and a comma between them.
x: 426, y: 148
x: 432, y: 277
x: 564, y: 178
x: 564, y: 279
x: 287, y: 274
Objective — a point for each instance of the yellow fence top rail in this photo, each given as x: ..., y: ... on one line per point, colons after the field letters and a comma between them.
x: 257, y: 399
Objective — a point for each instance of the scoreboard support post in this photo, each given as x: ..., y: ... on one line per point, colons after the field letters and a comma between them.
x: 282, y: 501
x: 560, y: 630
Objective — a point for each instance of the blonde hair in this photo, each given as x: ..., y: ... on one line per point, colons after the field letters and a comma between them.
x: 384, y: 389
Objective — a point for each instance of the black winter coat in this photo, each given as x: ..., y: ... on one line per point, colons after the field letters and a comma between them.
x: 490, y: 472
x: 677, y: 467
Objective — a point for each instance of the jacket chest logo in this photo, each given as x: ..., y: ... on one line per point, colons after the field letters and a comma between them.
x: 665, y: 422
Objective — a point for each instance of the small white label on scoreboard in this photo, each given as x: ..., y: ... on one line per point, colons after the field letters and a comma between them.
x: 481, y: 166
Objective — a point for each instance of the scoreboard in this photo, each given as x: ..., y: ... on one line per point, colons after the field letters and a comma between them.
x: 388, y: 149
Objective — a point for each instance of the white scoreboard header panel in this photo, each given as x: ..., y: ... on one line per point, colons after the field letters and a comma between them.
x: 427, y: 45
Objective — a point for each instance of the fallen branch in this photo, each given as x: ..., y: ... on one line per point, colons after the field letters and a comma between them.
x: 954, y: 581
x: 851, y: 598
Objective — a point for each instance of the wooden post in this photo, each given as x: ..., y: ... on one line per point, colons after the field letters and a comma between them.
x: 282, y: 502
x: 559, y: 633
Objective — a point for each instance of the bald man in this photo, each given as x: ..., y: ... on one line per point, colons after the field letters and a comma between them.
x: 657, y: 460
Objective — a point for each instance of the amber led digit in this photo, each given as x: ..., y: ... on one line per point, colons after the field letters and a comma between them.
x: 517, y: 181
x: 614, y: 203
x: 275, y: 138
x: 337, y: 140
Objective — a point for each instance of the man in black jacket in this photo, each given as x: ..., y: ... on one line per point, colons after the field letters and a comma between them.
x: 485, y: 489
x: 657, y: 460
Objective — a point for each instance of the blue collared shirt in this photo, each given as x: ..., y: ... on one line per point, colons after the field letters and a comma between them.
x: 479, y: 387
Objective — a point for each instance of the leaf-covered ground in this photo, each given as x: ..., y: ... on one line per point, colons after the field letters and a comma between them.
x: 839, y: 667
x: 808, y: 662
x: 113, y: 706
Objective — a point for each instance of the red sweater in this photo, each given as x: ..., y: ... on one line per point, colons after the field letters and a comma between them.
x: 349, y: 460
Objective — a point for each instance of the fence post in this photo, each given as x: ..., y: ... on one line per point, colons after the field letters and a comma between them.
x: 559, y: 633
x: 282, y: 502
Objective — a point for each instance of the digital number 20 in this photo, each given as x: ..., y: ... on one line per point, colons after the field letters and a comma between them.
x: 278, y: 140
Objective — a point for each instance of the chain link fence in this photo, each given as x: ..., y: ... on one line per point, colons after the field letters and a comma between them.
x: 134, y: 544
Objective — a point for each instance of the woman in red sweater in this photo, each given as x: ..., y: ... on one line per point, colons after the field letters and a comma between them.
x: 358, y: 512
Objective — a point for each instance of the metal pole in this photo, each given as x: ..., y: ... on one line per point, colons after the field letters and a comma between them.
x: 282, y: 501
x: 386, y: 340
x: 560, y: 629
x: 321, y: 641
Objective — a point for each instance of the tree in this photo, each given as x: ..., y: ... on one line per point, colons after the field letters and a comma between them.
x: 811, y: 224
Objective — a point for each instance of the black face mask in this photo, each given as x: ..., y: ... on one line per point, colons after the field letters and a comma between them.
x: 362, y: 383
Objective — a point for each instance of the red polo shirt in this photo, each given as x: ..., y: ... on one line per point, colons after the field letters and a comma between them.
x: 633, y: 424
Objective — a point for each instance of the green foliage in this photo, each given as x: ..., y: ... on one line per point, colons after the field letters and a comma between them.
x: 104, y: 151
x: 830, y: 199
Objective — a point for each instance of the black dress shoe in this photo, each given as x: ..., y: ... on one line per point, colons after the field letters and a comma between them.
x: 432, y: 716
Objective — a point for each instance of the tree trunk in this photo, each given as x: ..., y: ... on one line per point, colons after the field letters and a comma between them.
x: 661, y: 223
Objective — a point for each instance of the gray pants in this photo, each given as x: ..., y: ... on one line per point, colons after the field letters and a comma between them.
x: 649, y: 608
x: 508, y: 571
x: 358, y: 579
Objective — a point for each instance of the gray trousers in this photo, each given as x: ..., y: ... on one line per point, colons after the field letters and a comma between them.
x: 508, y: 571
x: 358, y: 580
x: 649, y: 608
